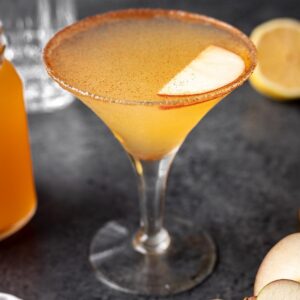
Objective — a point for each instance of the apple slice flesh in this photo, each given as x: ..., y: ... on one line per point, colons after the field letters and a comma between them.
x: 281, y: 262
x: 213, y: 68
x: 280, y: 290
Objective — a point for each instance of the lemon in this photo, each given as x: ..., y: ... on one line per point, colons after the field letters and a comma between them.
x: 277, y: 74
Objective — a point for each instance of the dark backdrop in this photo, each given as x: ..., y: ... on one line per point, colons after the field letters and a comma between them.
x: 237, y: 175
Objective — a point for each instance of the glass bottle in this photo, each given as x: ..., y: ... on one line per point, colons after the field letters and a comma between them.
x: 17, y: 192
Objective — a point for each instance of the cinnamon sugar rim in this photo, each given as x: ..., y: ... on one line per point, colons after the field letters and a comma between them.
x: 94, y: 21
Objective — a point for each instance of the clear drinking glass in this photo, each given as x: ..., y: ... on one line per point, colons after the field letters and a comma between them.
x: 161, y: 257
x: 29, y: 24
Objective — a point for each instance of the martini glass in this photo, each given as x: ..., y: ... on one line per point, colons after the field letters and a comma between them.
x: 116, y: 63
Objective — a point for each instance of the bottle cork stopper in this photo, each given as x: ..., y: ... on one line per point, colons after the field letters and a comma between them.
x: 2, y: 43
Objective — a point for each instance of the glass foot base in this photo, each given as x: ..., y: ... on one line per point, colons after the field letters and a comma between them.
x: 187, y: 262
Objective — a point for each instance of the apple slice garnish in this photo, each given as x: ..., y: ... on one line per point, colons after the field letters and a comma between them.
x: 213, y: 68
x: 281, y: 262
x: 282, y: 289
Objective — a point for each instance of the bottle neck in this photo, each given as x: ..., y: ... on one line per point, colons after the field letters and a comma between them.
x: 2, y: 44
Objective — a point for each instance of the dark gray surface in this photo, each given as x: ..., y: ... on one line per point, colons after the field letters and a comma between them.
x: 237, y: 175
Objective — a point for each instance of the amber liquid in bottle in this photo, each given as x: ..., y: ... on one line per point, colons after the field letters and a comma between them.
x: 17, y: 193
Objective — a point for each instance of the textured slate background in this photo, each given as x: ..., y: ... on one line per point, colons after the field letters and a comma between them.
x: 237, y: 175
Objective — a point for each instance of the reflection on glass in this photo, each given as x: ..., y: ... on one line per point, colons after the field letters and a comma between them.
x: 29, y: 24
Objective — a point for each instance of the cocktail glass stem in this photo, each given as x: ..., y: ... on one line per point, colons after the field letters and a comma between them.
x: 152, y: 237
x: 149, y: 261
